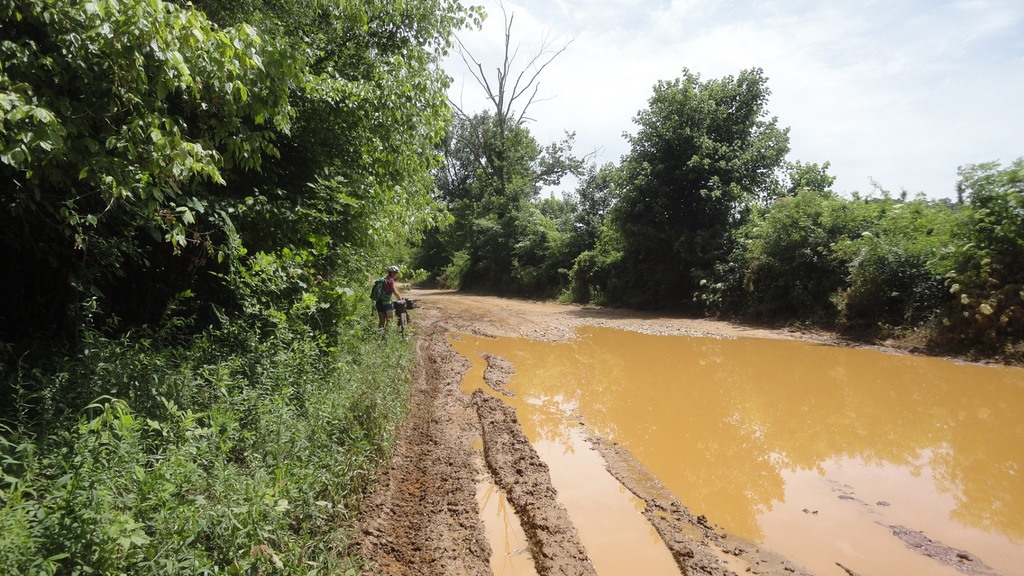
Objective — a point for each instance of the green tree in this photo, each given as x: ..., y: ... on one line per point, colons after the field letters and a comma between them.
x: 156, y: 158
x: 490, y: 198
x: 591, y: 269
x: 354, y: 182
x: 595, y: 196
x: 118, y: 122
x: 987, y: 278
x: 801, y: 176
x: 491, y: 181
x: 704, y: 151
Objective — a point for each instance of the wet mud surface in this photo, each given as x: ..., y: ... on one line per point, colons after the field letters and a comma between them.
x: 422, y: 518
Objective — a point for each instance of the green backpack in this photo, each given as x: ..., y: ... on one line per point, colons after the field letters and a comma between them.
x: 377, y: 292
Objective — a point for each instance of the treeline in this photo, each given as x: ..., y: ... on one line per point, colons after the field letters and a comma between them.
x: 706, y: 216
x: 194, y: 196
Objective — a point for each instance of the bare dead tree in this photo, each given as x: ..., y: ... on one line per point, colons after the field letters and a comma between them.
x: 510, y: 88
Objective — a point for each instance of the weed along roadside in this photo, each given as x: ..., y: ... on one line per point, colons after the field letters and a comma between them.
x: 528, y: 435
x: 196, y: 460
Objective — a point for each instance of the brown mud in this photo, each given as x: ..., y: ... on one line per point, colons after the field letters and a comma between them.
x: 422, y: 518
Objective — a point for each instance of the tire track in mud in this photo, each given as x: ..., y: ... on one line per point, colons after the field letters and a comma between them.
x: 517, y: 469
x: 698, y: 546
x: 422, y: 517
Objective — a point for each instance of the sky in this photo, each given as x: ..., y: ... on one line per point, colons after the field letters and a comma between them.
x: 893, y: 93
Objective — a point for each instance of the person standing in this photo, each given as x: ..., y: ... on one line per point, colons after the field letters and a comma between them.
x: 385, y: 306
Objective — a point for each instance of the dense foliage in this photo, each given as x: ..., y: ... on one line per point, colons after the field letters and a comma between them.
x: 151, y: 152
x: 703, y: 152
x: 881, y: 266
x: 861, y: 264
x: 505, y: 238
x: 120, y: 123
x: 193, y: 199
x: 705, y: 215
x: 987, y: 269
x: 236, y: 454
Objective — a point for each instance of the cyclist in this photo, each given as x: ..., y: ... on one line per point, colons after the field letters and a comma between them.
x: 385, y: 306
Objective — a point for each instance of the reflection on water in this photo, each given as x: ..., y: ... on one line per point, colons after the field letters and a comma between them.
x: 509, y: 545
x: 618, y: 539
x: 752, y: 432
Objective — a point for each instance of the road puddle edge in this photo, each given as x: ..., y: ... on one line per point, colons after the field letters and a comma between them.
x: 698, y: 546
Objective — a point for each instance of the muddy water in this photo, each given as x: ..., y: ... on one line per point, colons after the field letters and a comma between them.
x: 618, y: 539
x: 815, y: 451
x: 508, y: 541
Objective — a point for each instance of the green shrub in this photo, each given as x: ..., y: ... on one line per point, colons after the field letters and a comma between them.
x: 594, y: 274
x: 453, y: 273
x: 887, y: 286
x: 250, y: 462
x: 986, y: 279
x: 789, y: 267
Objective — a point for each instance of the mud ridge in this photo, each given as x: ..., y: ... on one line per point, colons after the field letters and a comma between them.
x: 698, y: 547
x: 961, y: 560
x: 518, y: 470
x: 498, y: 373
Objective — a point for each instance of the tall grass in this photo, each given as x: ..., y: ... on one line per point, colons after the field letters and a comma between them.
x: 135, y: 457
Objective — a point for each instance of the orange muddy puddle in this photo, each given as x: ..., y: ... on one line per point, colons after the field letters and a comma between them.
x: 618, y: 539
x: 815, y: 451
x: 509, y: 547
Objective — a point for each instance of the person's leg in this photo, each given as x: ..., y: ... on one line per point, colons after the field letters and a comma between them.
x: 387, y: 312
x: 382, y: 317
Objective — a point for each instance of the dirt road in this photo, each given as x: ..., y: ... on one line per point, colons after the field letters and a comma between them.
x: 423, y: 517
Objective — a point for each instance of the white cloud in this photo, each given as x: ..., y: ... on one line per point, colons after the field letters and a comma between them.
x: 899, y: 92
